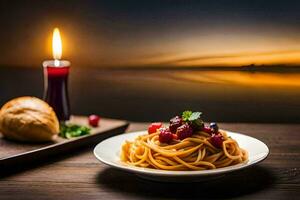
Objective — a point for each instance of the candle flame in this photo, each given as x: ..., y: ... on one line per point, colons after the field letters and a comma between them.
x: 56, y: 44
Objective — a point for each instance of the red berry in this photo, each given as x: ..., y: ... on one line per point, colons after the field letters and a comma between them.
x: 184, y: 131
x: 216, y: 140
x: 207, y: 129
x: 165, y: 135
x: 94, y: 120
x: 175, y: 122
x: 175, y: 137
x: 154, y: 126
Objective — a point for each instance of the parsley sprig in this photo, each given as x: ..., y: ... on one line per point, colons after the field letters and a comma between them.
x: 194, y: 118
x: 73, y: 130
x: 189, y: 116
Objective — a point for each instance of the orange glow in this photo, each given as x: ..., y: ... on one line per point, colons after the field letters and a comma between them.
x: 240, y: 78
x: 226, y: 49
x: 240, y: 59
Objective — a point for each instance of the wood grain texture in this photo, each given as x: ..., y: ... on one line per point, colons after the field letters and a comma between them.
x: 78, y: 175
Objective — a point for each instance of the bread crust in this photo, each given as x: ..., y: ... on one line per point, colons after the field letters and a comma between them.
x: 28, y: 119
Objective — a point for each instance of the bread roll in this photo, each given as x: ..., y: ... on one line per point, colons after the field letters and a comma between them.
x: 28, y: 119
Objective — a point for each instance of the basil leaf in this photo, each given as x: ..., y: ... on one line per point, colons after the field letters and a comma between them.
x: 194, y: 116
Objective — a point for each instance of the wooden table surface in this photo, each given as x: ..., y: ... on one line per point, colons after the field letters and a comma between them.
x: 79, y: 175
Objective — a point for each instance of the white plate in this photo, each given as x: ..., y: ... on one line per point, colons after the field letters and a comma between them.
x: 108, y: 152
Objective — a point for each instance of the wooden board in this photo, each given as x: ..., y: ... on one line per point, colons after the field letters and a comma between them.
x: 16, y: 152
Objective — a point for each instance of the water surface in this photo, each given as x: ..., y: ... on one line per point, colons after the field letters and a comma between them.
x: 151, y: 95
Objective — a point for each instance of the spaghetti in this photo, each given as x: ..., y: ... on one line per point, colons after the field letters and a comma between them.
x: 192, y: 153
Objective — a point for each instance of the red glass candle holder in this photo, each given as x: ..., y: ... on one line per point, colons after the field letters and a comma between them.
x: 56, y: 75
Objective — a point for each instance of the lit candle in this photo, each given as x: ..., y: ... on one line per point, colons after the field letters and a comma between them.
x: 56, y: 74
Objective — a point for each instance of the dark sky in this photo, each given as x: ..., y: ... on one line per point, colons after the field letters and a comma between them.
x: 179, y: 33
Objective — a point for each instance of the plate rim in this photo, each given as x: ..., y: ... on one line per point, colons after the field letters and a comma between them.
x: 159, y: 172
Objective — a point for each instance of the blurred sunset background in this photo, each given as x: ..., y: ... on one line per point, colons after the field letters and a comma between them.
x: 146, y: 60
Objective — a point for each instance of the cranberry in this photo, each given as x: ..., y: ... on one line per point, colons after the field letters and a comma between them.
x: 175, y: 137
x: 217, y: 140
x: 207, y: 129
x: 175, y: 122
x: 94, y: 120
x: 154, y: 126
x: 165, y: 135
x: 184, y: 131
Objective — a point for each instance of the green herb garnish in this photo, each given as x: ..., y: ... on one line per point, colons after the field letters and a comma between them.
x: 194, y: 118
x: 189, y: 116
x: 186, y: 115
x: 73, y: 130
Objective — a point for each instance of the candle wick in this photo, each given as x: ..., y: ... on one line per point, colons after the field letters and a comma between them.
x: 56, y: 63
